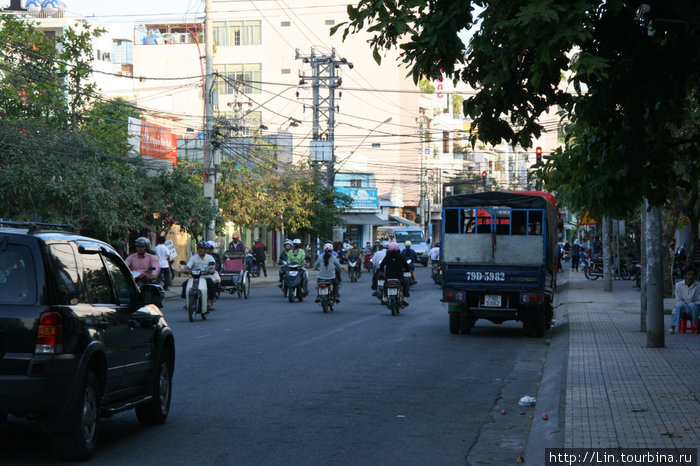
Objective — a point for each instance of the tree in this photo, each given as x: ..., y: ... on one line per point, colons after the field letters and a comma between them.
x: 623, y: 139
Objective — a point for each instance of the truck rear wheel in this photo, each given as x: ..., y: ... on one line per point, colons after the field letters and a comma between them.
x: 455, y: 322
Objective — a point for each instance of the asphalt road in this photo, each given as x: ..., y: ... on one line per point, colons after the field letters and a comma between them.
x: 265, y: 382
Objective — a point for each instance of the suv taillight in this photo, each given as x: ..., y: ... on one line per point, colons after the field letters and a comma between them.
x: 49, y: 338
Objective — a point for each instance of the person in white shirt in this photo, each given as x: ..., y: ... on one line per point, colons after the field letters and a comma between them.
x: 377, y: 259
x: 163, y: 255
x: 687, y: 301
x: 435, y: 253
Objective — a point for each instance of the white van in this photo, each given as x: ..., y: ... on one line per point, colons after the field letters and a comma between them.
x: 401, y: 234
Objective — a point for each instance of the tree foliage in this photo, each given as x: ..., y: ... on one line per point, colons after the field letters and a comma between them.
x: 631, y: 83
x: 64, y: 154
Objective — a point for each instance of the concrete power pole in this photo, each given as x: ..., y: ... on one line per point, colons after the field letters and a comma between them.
x: 655, y: 278
x: 324, y: 77
x: 209, y: 150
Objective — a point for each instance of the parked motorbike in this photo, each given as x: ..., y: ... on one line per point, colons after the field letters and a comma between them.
x: 196, y: 294
x: 381, y: 279
x: 293, y: 283
x: 394, y: 295
x: 354, y: 268
x: 593, y: 269
x: 325, y: 295
x: 252, y: 265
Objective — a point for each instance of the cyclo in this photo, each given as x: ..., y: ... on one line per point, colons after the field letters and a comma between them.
x: 234, y: 274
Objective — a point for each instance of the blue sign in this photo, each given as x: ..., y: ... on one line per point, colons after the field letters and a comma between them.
x: 362, y: 198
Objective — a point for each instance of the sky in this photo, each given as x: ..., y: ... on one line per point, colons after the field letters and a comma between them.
x: 131, y: 10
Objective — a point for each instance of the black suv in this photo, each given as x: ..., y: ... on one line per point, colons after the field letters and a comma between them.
x: 78, y: 339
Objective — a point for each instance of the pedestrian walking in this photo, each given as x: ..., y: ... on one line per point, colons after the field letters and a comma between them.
x: 259, y: 252
x: 163, y: 255
x: 575, y: 255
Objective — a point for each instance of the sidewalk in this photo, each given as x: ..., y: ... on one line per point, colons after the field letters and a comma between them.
x: 619, y: 393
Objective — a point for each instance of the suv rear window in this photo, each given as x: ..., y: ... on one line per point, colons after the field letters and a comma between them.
x: 17, y: 276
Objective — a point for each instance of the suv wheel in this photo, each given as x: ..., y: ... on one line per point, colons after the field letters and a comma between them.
x: 157, y: 409
x: 78, y: 443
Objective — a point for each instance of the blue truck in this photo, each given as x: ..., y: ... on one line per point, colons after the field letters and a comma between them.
x: 498, y: 255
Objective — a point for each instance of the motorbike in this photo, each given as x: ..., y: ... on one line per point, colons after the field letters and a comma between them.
x: 354, y: 268
x: 367, y: 261
x: 252, y: 265
x: 593, y: 269
x: 409, y: 275
x: 293, y: 283
x: 196, y: 294
x: 325, y: 295
x: 143, y: 278
x: 436, y: 272
x: 394, y: 295
x: 381, y: 279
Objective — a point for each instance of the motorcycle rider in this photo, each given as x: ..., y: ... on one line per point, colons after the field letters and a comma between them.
x: 328, y: 268
x: 236, y: 245
x: 297, y: 254
x: 210, y: 251
x: 377, y: 259
x: 143, y: 262
x: 435, y: 253
x: 201, y: 261
x: 377, y: 246
x: 354, y: 254
x: 410, y: 254
x: 283, y: 259
x: 394, y: 265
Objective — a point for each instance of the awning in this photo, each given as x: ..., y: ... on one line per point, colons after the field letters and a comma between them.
x: 363, y: 219
x: 403, y: 221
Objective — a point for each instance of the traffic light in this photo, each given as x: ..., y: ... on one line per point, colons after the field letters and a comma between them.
x: 538, y: 152
x: 483, y: 178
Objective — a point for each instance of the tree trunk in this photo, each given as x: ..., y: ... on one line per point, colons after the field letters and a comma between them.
x: 607, y: 254
x: 655, y: 277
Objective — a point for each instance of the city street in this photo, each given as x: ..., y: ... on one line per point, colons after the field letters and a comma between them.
x: 263, y: 381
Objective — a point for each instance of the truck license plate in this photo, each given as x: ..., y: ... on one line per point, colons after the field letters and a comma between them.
x: 492, y: 300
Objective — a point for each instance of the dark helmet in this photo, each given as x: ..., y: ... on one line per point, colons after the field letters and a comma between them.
x: 437, y: 245
x: 142, y: 242
x: 202, y: 245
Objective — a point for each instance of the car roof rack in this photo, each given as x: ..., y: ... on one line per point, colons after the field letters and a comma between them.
x: 35, y: 226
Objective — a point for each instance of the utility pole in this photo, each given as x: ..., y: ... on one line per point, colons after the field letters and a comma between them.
x: 324, y: 76
x: 209, y: 151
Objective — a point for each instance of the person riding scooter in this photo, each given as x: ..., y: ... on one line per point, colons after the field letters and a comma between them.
x: 377, y: 259
x: 143, y: 262
x: 394, y: 265
x: 328, y: 268
x: 354, y: 254
x: 297, y: 254
x: 283, y: 259
x: 201, y: 261
x: 410, y: 254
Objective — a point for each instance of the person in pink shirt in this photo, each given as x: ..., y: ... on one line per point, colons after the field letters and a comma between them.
x: 143, y: 262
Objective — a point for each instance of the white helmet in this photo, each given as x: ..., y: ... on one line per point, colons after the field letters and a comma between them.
x: 297, y: 242
x: 328, y: 247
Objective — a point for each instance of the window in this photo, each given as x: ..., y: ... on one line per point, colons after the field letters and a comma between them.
x: 330, y: 22
x: 248, y: 77
x: 122, y: 52
x: 70, y: 290
x: 17, y: 276
x: 445, y: 142
x: 237, y: 33
x: 286, y: 71
x: 122, y: 283
x: 355, y: 183
x: 97, y: 280
x: 285, y: 24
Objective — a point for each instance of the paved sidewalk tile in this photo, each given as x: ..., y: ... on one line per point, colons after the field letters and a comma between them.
x: 619, y: 393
